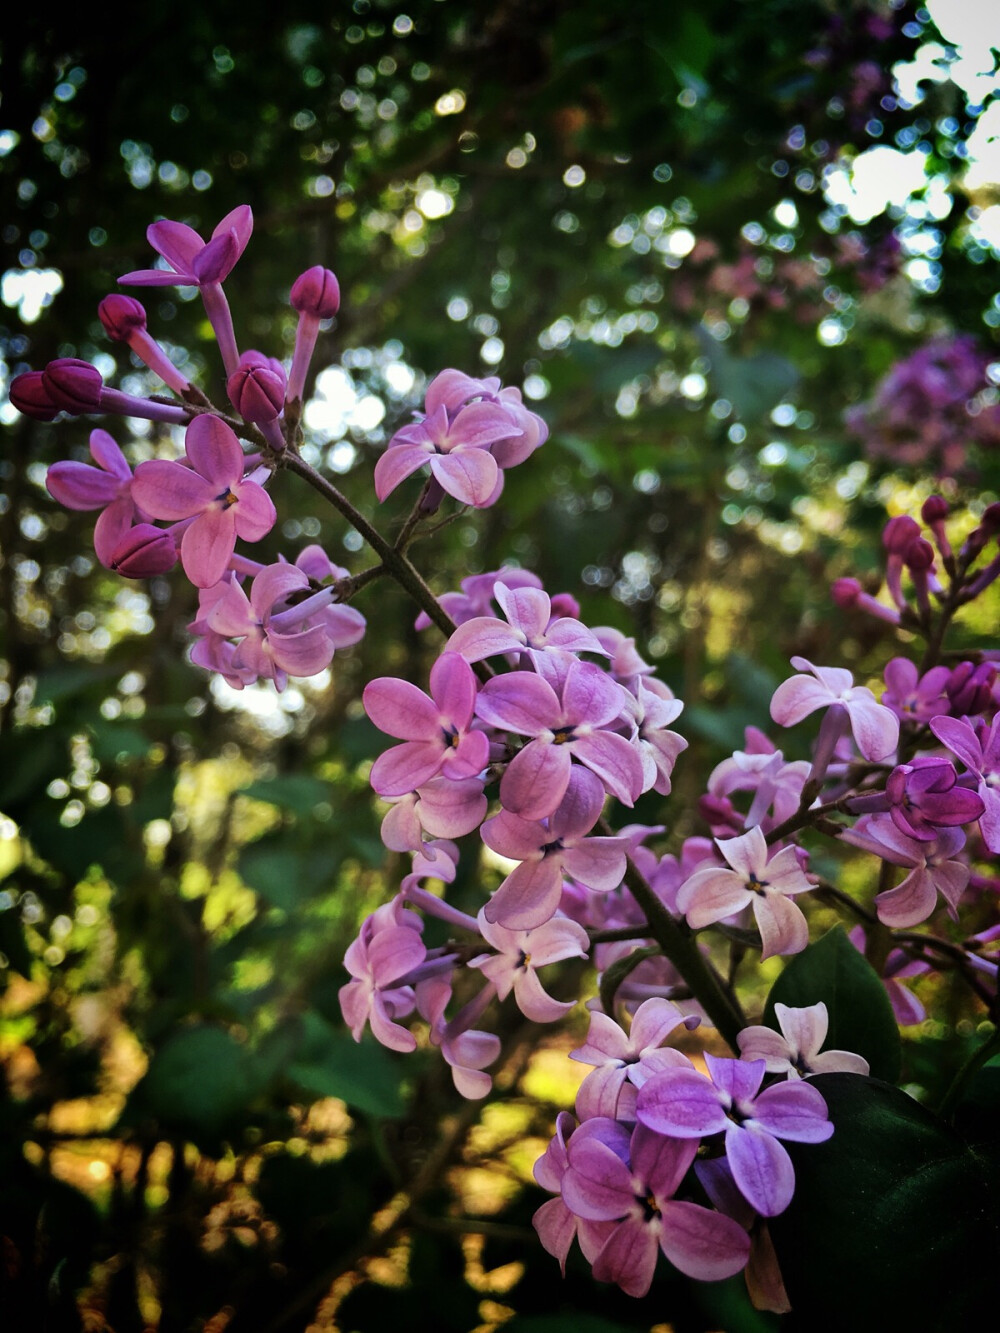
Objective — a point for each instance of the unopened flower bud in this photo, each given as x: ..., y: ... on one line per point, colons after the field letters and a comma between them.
x: 31, y: 398
x: 144, y: 552
x: 73, y: 385
x: 934, y: 510
x: 919, y: 555
x: 845, y: 592
x: 122, y: 316
x: 991, y: 518
x: 898, y: 533
x: 257, y: 388
x: 316, y: 292
x: 970, y: 688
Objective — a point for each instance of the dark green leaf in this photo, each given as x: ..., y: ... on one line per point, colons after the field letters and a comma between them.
x: 861, y: 1017
x: 895, y: 1221
x: 199, y: 1078
x: 297, y: 792
x: 329, y: 1063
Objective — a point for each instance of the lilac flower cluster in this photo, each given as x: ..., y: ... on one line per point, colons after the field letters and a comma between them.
x: 931, y: 407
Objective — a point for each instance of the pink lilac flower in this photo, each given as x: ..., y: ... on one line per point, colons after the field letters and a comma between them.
x: 970, y: 688
x: 562, y: 728
x: 71, y: 385
x: 924, y: 798
x: 934, y: 869
x: 763, y: 1276
x: 548, y: 850
x: 465, y: 1049
x: 276, y: 640
x: 518, y: 956
x: 753, y: 879
x: 107, y: 487
x: 436, y: 731
x: 456, y: 448
x: 978, y: 747
x: 684, y: 1104
x: 256, y: 389
x: 556, y: 1225
x: 213, y: 491
x: 795, y: 1051
x: 194, y: 263
x: 144, y: 552
x: 912, y: 697
x: 389, y: 947
x: 441, y: 807
x: 776, y: 784
x: 650, y: 709
x: 476, y: 596
x: 530, y: 626
x: 631, y: 1179
x: 622, y: 1063
x: 876, y: 729
x: 905, y: 1006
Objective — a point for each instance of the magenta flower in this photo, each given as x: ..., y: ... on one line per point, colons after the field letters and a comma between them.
x: 876, y: 729
x: 388, y: 947
x: 713, y: 893
x: 144, y: 552
x: 912, y: 697
x: 476, y: 596
x: 924, y: 798
x: 631, y: 1179
x: 555, y: 1224
x: 213, y: 492
x: 457, y: 451
x: 192, y: 262
x: 547, y: 851
x: 520, y: 953
x: 933, y: 866
x: 978, y: 747
x: 124, y: 320
x: 276, y: 640
x: 684, y: 1104
x: 107, y: 486
x: 795, y: 1051
x: 653, y: 710
x: 776, y: 784
x: 564, y: 728
x: 622, y: 1063
x: 442, y: 807
x: 530, y: 626
x: 436, y: 731
x: 315, y: 295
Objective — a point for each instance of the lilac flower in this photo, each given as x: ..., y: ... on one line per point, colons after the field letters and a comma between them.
x: 465, y: 1049
x: 933, y: 866
x: 622, y: 1063
x: 924, y: 798
x: 388, y: 947
x: 795, y: 1050
x: 776, y: 784
x: 530, y: 626
x: 71, y: 385
x: 212, y: 491
x: 905, y: 1006
x: 762, y: 1275
x: 530, y: 894
x: 713, y: 893
x: 651, y: 713
x: 555, y: 1224
x: 124, y: 320
x: 436, y: 731
x: 256, y: 389
x: 457, y: 449
x: 442, y: 807
x: 876, y: 729
x: 519, y: 954
x: 631, y: 1179
x: 144, y: 552
x: 276, y: 640
x: 476, y: 596
x: 912, y: 697
x: 194, y: 263
x: 107, y: 487
x: 564, y: 728
x: 978, y: 747
x: 686, y: 1105
x: 970, y: 688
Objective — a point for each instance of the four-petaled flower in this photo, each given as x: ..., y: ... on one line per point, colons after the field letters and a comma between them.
x: 795, y: 1050
x: 876, y: 729
x: 753, y: 880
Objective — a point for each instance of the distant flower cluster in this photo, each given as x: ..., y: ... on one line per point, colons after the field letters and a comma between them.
x: 931, y: 408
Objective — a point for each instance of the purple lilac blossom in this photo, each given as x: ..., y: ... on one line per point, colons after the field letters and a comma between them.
x: 796, y: 1051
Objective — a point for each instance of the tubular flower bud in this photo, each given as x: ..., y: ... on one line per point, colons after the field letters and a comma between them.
x: 144, y: 552
x: 257, y: 389
x: 31, y: 398
x: 121, y: 316
x: 73, y: 385
x: 316, y: 292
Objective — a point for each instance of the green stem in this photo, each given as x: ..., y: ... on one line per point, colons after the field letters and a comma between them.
x: 975, y: 1062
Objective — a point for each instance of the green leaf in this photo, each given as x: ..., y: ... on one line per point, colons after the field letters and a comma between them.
x: 861, y: 1017
x: 753, y: 384
x: 894, y: 1223
x: 330, y: 1063
x: 297, y: 792
x: 200, y: 1078
x: 282, y: 871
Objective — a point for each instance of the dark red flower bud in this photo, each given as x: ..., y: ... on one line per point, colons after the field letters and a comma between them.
x: 991, y: 518
x: 31, y: 398
x: 144, y: 552
x: 121, y: 316
x: 73, y: 385
x: 257, y: 388
x: 316, y: 292
x: 898, y: 533
x: 919, y: 555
